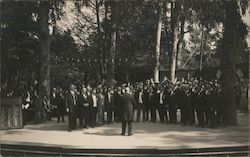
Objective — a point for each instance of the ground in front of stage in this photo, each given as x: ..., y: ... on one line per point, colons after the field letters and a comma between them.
x: 147, y: 135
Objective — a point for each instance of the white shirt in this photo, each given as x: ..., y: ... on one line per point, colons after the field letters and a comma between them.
x: 28, y: 97
x: 109, y: 97
x: 161, y: 98
x: 94, y: 100
x: 140, y: 98
x: 54, y: 95
x: 85, y: 96
x: 101, y: 98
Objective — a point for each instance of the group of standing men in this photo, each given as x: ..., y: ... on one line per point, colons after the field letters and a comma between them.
x: 195, y: 98
x: 90, y: 104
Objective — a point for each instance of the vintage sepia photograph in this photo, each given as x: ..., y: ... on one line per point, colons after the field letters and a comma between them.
x: 124, y: 78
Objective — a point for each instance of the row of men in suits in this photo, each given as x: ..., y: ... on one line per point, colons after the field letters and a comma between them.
x: 57, y: 100
x: 194, y: 97
x: 90, y: 104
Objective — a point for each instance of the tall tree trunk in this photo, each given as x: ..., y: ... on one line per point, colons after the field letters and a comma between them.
x: 180, y: 41
x: 201, y: 48
x: 1, y: 39
x: 111, y: 55
x: 44, y: 44
x: 3, y: 55
x: 158, y: 44
x: 105, y: 46
x: 174, y: 40
x: 229, y: 115
x: 247, y: 21
x: 99, y: 37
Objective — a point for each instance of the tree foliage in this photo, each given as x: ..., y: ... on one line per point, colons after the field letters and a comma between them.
x: 78, y: 43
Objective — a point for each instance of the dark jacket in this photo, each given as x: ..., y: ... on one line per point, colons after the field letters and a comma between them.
x: 128, y: 102
x: 90, y: 100
x: 53, y: 99
x: 60, y: 102
x: 70, y: 102
x: 100, y: 101
x: 81, y: 100
x: 107, y: 103
x: 117, y: 99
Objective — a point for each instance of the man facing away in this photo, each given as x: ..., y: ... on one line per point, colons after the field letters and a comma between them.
x: 128, y: 102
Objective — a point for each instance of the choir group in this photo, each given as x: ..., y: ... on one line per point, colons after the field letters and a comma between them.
x: 198, y: 100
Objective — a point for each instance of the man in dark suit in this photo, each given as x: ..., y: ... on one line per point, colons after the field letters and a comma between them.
x: 152, y: 104
x: 109, y: 105
x: 83, y: 108
x: 118, y: 101
x: 146, y: 102
x: 71, y: 107
x: 161, y: 104
x: 140, y: 102
x: 53, y: 102
x: 172, y: 105
x: 60, y: 105
x: 93, y: 104
x: 89, y: 108
x: 200, y: 106
x: 128, y: 102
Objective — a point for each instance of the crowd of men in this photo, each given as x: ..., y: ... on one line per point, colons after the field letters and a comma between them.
x: 197, y: 99
x: 199, y: 102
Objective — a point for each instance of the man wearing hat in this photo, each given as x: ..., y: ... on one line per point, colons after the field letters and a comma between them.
x: 128, y: 103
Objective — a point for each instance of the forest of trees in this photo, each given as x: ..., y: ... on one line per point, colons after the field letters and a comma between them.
x: 58, y: 42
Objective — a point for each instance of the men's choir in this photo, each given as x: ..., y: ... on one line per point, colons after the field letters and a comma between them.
x: 189, y: 101
x: 199, y: 102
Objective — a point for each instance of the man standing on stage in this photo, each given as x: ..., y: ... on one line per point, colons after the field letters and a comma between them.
x: 139, y: 101
x: 60, y: 105
x: 71, y: 107
x: 109, y: 105
x: 128, y: 102
x: 83, y: 108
